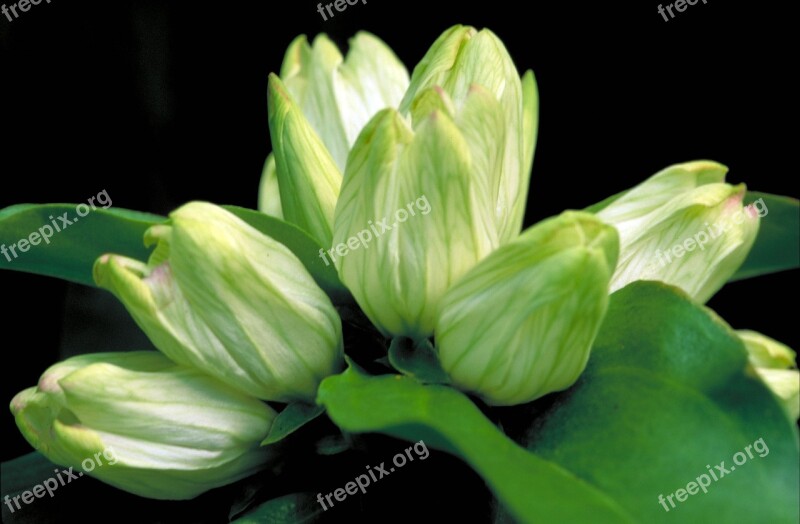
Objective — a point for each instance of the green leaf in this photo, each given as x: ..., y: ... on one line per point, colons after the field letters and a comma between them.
x: 666, y: 393
x: 777, y: 246
x: 419, y: 362
x: 293, y: 417
x: 70, y: 253
x: 296, y: 508
x: 22, y: 474
x: 302, y: 245
x: 333, y: 444
x: 535, y: 490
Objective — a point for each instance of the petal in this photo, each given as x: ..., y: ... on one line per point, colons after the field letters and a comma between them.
x: 269, y: 196
x: 308, y: 177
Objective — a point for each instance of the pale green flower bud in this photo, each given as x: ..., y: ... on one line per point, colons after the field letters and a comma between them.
x: 684, y: 226
x: 317, y: 108
x: 141, y: 423
x: 464, y: 142
x: 521, y: 323
x: 222, y: 297
x: 499, y: 122
x: 340, y: 95
x: 406, y: 222
x: 765, y: 352
x: 776, y: 365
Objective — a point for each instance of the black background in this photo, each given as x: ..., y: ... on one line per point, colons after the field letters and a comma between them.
x: 161, y: 103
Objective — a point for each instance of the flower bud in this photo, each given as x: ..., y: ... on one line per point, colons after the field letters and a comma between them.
x: 141, y: 423
x: 466, y: 148
x: 521, y: 323
x: 776, y: 365
x: 407, y: 225
x: 317, y: 108
x: 684, y: 226
x: 498, y: 115
x: 220, y: 296
x: 340, y: 95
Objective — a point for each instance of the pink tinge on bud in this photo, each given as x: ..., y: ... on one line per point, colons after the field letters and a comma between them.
x: 160, y: 275
x: 160, y: 282
x: 48, y: 383
x: 733, y: 204
x: 17, y: 404
x: 734, y: 201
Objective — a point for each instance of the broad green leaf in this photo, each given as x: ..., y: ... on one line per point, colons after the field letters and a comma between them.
x: 302, y: 245
x: 665, y: 397
x: 418, y: 361
x: 296, y: 508
x: 535, y: 490
x: 69, y: 253
x: 293, y: 417
x: 22, y: 474
x: 777, y: 246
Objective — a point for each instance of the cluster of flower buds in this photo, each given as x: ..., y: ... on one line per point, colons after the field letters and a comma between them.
x: 357, y: 145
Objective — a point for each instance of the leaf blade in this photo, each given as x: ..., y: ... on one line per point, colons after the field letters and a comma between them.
x: 446, y: 419
x: 70, y: 253
x: 777, y: 247
x: 666, y: 392
x: 290, y: 419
